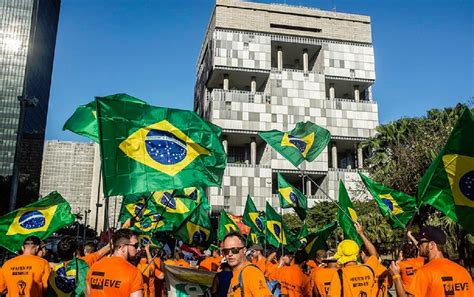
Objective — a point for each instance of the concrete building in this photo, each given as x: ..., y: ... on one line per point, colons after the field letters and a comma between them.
x: 269, y: 66
x: 73, y: 169
x: 27, y: 43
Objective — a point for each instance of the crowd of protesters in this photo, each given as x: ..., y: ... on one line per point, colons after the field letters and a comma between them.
x: 124, y: 268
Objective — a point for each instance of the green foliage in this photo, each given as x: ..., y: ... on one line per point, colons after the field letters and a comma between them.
x: 402, y: 150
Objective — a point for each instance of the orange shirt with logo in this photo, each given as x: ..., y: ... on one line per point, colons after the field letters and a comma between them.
x: 358, y: 280
x: 114, y: 276
x: 408, y: 268
x: 25, y: 276
x: 321, y: 279
x: 384, y: 280
x: 253, y: 282
x: 441, y: 277
x: 293, y: 281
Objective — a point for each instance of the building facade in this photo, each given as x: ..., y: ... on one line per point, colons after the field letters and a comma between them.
x: 27, y: 41
x: 73, y: 170
x: 270, y: 66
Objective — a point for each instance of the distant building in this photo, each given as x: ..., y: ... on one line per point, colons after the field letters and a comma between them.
x: 27, y: 42
x: 269, y: 66
x: 72, y: 169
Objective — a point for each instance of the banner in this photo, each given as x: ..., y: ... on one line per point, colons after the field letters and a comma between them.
x: 183, y: 282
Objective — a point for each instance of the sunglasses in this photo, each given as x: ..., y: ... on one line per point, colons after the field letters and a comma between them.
x: 136, y: 245
x: 234, y: 250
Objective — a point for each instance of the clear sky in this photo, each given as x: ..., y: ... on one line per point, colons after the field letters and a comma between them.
x: 148, y: 48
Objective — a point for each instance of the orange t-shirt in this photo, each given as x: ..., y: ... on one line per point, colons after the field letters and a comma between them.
x: 358, y: 280
x: 206, y: 264
x: 271, y: 270
x: 321, y: 279
x: 312, y: 264
x: 408, y: 268
x: 90, y: 259
x: 179, y: 262
x: 253, y: 282
x: 114, y: 277
x: 25, y: 275
x: 441, y: 277
x: 293, y: 281
x: 147, y: 272
x: 384, y: 280
x: 158, y: 283
x: 261, y: 263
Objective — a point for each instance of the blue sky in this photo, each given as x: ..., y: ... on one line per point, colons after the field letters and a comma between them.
x: 148, y: 49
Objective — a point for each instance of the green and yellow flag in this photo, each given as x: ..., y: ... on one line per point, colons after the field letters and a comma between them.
x: 305, y: 142
x: 252, y: 217
x: 68, y: 279
x: 346, y: 224
x: 196, y: 230
x: 448, y: 184
x: 303, y: 234
x: 146, y: 148
x: 292, y: 197
x: 41, y: 218
x: 255, y: 237
x: 226, y: 225
x: 318, y: 241
x: 277, y: 234
x: 397, y: 206
x: 158, y: 211
x: 84, y: 120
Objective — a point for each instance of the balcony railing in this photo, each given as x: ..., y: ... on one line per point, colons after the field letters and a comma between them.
x: 239, y: 96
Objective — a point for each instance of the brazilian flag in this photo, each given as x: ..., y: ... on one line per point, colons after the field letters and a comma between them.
x: 252, y: 217
x: 197, y: 194
x: 196, y: 230
x: 145, y: 239
x: 159, y: 211
x: 303, y: 234
x: 68, y: 279
x: 292, y: 197
x: 226, y: 225
x: 277, y: 234
x: 84, y: 120
x: 41, y: 218
x: 346, y: 223
x: 305, y: 142
x: 255, y: 237
x: 448, y: 184
x: 397, y: 206
x: 146, y: 148
x: 318, y: 240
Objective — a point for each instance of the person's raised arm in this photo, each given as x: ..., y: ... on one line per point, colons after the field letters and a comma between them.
x: 397, y: 280
x: 412, y: 238
x: 368, y: 244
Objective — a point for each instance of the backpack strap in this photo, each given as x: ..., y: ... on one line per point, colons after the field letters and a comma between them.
x: 339, y: 272
x: 241, y: 283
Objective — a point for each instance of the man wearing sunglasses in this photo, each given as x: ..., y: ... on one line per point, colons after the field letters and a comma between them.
x: 247, y: 279
x: 115, y: 276
x: 440, y: 277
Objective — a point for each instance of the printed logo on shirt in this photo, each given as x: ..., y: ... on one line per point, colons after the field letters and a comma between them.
x: 21, y: 288
x: 98, y: 281
x: 450, y: 287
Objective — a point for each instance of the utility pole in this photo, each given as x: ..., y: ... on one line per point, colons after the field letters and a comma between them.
x: 86, y: 212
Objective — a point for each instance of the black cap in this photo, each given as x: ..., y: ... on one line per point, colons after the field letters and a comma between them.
x: 34, y: 240
x: 431, y: 233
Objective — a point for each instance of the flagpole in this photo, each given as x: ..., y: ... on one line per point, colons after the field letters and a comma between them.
x: 98, y: 199
x: 324, y: 192
x: 281, y: 231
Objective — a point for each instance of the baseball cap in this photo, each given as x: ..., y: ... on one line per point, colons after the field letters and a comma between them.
x: 347, y: 251
x: 34, y: 240
x: 431, y: 233
x: 257, y: 247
